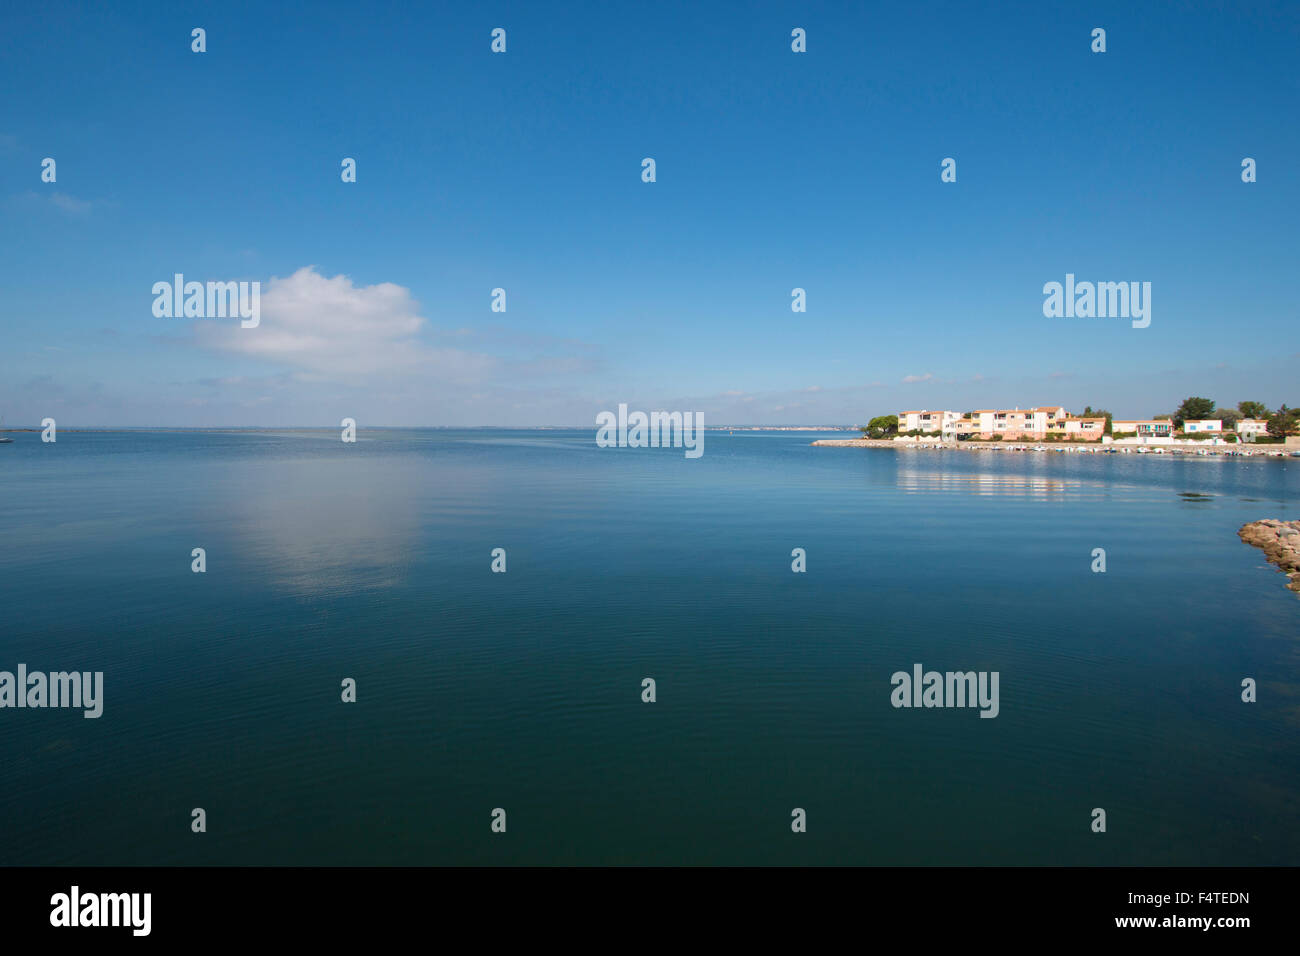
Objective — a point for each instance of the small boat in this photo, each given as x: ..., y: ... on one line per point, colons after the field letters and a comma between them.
x: 3, y: 440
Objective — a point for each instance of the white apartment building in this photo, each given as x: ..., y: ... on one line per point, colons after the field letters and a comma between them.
x: 1040, y: 420
x: 1014, y: 423
x: 981, y: 421
x: 1089, y: 429
x: 1011, y: 424
x: 926, y: 421
x: 1202, y: 425
x: 1252, y: 427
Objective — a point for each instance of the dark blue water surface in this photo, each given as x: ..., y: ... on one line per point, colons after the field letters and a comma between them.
x: 522, y: 690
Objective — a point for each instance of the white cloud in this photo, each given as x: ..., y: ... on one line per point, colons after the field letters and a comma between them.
x: 910, y: 379
x: 330, y: 329
x: 71, y: 204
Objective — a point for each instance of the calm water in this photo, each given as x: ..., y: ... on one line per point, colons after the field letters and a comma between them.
x: 522, y: 690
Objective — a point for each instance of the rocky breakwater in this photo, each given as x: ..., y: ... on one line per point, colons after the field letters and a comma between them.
x: 1280, y: 541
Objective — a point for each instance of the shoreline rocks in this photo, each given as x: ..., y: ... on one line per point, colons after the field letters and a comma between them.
x: 1280, y: 542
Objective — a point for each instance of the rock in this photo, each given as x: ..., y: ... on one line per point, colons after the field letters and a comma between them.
x: 1280, y: 542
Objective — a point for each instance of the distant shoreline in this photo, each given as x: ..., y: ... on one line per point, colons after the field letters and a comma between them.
x: 1219, y: 451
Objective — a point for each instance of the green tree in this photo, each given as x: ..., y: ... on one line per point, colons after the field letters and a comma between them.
x: 1229, y: 417
x: 882, y: 426
x: 1193, y: 409
x: 1090, y: 412
x: 1277, y: 423
x: 1283, y: 422
x: 1252, y: 409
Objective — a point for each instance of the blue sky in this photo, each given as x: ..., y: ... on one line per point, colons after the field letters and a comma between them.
x: 522, y: 170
